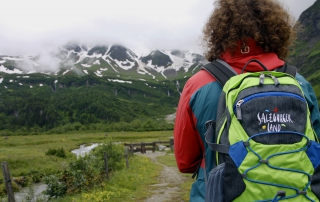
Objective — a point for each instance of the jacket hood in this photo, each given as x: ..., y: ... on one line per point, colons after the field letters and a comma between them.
x: 239, y: 59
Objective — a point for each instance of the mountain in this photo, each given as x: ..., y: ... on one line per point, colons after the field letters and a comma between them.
x: 112, y: 87
x: 82, y: 88
x: 103, y: 60
x: 306, y: 52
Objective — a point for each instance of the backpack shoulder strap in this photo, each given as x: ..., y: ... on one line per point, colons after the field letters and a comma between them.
x: 220, y: 70
x: 292, y: 70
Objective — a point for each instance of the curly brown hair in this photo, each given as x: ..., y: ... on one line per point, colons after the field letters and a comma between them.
x: 265, y: 21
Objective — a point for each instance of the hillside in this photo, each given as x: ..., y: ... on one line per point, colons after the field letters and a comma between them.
x: 306, y: 51
x: 39, y: 103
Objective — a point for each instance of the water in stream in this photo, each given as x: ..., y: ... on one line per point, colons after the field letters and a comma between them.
x: 24, y: 192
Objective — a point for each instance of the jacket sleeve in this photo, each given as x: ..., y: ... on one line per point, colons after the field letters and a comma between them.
x: 312, y: 103
x: 187, y: 145
x: 314, y: 110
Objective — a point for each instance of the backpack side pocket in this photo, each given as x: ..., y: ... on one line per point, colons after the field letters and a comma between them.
x: 214, y: 188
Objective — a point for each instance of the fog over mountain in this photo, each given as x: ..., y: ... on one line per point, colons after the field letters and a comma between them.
x: 29, y: 27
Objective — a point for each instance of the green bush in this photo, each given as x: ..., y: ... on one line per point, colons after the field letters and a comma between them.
x: 56, y: 187
x: 86, y: 172
x: 35, y: 176
x: 115, y: 155
x: 56, y: 152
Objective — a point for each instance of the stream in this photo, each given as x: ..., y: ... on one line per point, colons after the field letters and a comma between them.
x: 24, y: 192
x: 40, y: 187
x: 83, y: 150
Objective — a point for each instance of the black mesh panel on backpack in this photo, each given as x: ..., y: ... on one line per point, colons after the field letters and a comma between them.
x: 233, y: 184
x: 315, y: 182
x: 216, y: 178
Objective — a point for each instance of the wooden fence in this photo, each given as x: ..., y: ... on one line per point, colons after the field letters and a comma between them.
x: 145, y: 146
x: 7, y: 181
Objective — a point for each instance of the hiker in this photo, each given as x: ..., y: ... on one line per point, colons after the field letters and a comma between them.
x: 236, y: 32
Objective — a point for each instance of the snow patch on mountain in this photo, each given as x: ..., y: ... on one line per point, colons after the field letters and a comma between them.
x: 119, y: 81
x: 111, y: 58
x: 65, y: 72
x: 109, y: 62
x: 98, y: 73
x: 97, y: 62
x: 86, y: 65
x: 126, y: 65
x: 9, y: 71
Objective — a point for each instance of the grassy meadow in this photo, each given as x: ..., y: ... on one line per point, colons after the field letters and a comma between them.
x: 26, y: 158
x: 25, y: 153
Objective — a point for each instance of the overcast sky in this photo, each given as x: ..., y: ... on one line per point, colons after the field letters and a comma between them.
x: 28, y: 26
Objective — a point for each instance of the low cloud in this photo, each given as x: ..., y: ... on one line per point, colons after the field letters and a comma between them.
x: 30, y: 27
x: 46, y: 60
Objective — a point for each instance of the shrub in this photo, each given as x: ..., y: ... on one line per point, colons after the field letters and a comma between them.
x: 115, y: 155
x: 56, y: 152
x: 55, y: 188
x: 86, y: 172
x: 35, y: 176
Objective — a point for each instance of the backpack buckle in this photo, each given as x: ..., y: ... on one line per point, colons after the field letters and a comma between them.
x: 264, y: 161
x: 302, y: 192
x: 246, y: 144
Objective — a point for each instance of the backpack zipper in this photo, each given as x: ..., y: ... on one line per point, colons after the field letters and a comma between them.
x: 261, y: 78
x: 275, y: 80
x: 259, y: 95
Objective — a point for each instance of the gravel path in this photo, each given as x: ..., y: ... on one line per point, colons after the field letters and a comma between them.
x: 169, y: 180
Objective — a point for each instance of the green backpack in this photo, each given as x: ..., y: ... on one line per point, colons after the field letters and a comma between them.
x: 264, y: 145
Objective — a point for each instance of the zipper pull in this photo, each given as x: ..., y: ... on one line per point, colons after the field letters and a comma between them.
x: 238, y: 109
x: 276, y: 81
x: 261, y: 79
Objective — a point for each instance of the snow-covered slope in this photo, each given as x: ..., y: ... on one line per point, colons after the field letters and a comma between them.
x: 104, y: 60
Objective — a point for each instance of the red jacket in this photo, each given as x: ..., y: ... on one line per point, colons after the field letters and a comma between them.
x: 198, y: 104
x: 188, y: 145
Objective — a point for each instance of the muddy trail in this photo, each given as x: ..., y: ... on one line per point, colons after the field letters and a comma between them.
x: 167, y: 189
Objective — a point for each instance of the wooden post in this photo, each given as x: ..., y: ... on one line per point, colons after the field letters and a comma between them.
x: 154, y: 147
x: 126, y: 156
x: 106, y: 164
x: 7, y: 181
x: 143, y: 148
x: 171, y: 144
x: 131, y: 149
